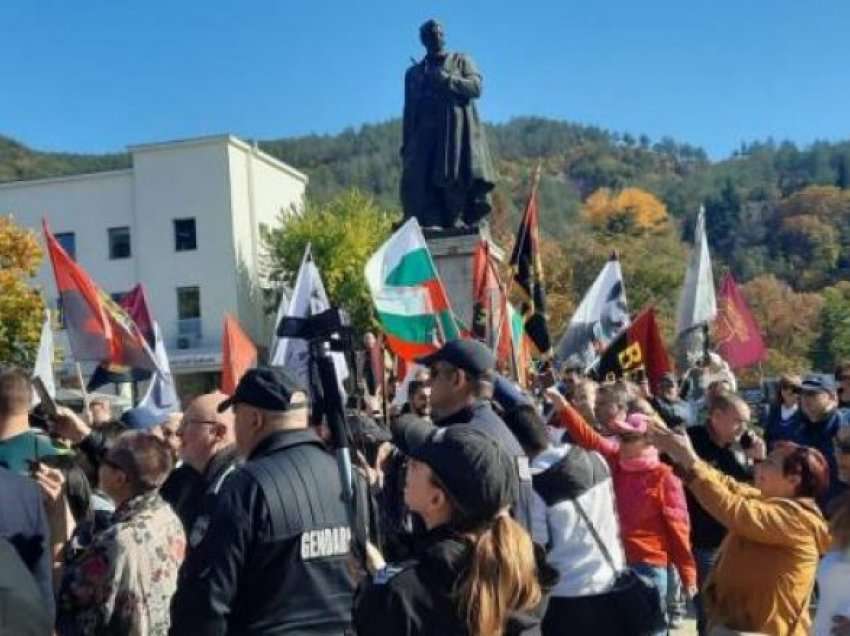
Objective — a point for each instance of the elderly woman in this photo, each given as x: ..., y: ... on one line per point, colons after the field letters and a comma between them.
x: 123, y: 581
x: 765, y: 569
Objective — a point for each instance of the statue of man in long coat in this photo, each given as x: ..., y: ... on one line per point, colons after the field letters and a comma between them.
x: 447, y: 172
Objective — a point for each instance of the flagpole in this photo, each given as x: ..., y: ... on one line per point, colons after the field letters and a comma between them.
x: 535, y: 182
x: 83, y: 389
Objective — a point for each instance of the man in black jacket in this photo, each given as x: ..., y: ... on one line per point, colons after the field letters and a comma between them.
x: 462, y: 379
x: 209, y: 456
x: 274, y: 558
x: 728, y: 417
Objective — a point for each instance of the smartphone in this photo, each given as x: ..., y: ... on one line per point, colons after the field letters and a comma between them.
x: 47, y: 402
x: 746, y: 440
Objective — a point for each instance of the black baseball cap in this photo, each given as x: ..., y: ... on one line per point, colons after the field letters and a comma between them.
x: 267, y: 388
x: 469, y: 355
x: 478, y: 474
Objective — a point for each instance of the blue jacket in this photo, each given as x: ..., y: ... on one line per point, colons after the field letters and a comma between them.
x: 820, y: 435
x: 23, y: 523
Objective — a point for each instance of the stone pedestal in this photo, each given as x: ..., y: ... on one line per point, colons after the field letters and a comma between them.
x: 453, y: 255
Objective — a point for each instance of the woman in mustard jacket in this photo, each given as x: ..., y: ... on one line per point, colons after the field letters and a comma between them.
x: 765, y: 569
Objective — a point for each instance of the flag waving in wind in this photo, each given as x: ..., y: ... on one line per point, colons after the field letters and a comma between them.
x: 528, y: 273
x: 639, y: 349
x: 409, y: 298
x: 735, y: 330
x: 98, y: 328
x: 602, y: 314
x: 308, y: 299
x: 238, y: 354
x: 697, y: 304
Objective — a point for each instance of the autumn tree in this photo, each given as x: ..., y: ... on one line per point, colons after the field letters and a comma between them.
x: 788, y: 320
x: 343, y: 233
x: 21, y: 306
x: 629, y: 211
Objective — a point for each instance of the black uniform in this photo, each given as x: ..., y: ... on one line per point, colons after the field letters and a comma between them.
x: 416, y: 598
x: 481, y: 416
x: 274, y: 559
x: 193, y: 495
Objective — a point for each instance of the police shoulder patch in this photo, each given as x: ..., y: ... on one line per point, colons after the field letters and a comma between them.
x: 387, y: 573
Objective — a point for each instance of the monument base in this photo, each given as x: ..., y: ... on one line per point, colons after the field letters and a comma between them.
x: 453, y: 255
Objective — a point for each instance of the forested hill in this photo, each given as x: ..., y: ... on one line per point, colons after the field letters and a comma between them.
x: 778, y: 216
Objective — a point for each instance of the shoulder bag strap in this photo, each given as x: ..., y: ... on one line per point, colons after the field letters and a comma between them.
x: 596, y: 537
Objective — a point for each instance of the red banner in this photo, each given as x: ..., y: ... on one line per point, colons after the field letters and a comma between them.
x: 736, y: 333
x: 639, y: 349
x: 238, y: 354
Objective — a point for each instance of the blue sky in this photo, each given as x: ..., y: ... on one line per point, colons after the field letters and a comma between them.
x: 96, y: 76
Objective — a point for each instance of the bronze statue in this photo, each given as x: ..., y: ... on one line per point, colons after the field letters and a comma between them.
x: 447, y: 172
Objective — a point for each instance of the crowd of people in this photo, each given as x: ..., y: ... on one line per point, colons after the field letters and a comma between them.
x: 473, y: 507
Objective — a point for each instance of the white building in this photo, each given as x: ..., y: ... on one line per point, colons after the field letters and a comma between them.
x: 185, y: 221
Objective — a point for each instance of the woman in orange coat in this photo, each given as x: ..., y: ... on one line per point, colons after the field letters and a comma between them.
x: 765, y: 569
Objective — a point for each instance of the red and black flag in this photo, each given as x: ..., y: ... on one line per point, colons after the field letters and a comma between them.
x: 638, y: 350
x: 135, y: 304
x: 528, y: 273
x: 98, y: 328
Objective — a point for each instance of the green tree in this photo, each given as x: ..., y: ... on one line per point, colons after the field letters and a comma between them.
x: 21, y: 306
x: 343, y: 232
x: 833, y: 341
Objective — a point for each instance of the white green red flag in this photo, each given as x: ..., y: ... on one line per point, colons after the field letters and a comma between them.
x: 409, y: 298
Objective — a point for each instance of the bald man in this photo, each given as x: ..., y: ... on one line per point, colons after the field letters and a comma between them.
x: 209, y: 455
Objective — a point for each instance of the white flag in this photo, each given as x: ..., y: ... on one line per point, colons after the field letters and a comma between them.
x: 697, y: 305
x: 602, y: 314
x: 308, y: 299
x: 161, y: 395
x: 44, y: 359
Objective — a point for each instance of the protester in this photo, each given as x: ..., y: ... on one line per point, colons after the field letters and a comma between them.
x: 476, y: 571
x: 816, y: 425
x: 123, y: 582
x: 779, y: 419
x: 20, y: 445
x: 462, y: 377
x: 23, y: 610
x: 566, y: 476
x: 157, y: 423
x: 418, y: 399
x: 209, y: 454
x: 611, y: 407
x: 764, y: 573
x: 842, y: 378
x: 169, y: 432
x: 23, y: 523
x: 100, y: 411
x: 728, y: 417
x: 273, y: 559
x: 669, y: 405
x: 650, y: 499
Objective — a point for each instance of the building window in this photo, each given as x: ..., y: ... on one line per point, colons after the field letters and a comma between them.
x: 184, y: 235
x: 188, y: 303
x: 68, y: 241
x: 119, y: 242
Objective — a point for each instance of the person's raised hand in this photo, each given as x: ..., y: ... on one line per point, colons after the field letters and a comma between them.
x: 51, y: 482
x: 758, y: 449
x: 676, y: 445
x: 69, y: 425
x: 556, y: 398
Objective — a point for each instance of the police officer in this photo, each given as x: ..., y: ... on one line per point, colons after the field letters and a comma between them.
x: 462, y: 378
x: 461, y: 484
x: 274, y: 556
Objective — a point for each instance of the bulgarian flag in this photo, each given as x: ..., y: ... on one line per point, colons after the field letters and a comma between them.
x: 410, y: 300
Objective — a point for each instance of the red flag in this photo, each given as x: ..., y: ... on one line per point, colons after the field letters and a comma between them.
x: 238, y: 354
x: 736, y: 333
x: 98, y: 328
x: 135, y: 303
x: 639, y: 348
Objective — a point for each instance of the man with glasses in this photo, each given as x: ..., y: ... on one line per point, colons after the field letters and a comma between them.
x: 462, y: 379
x: 817, y: 424
x: 728, y: 417
x: 209, y: 455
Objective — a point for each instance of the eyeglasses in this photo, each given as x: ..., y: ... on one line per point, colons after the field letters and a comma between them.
x: 789, y: 387
x: 184, y: 424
